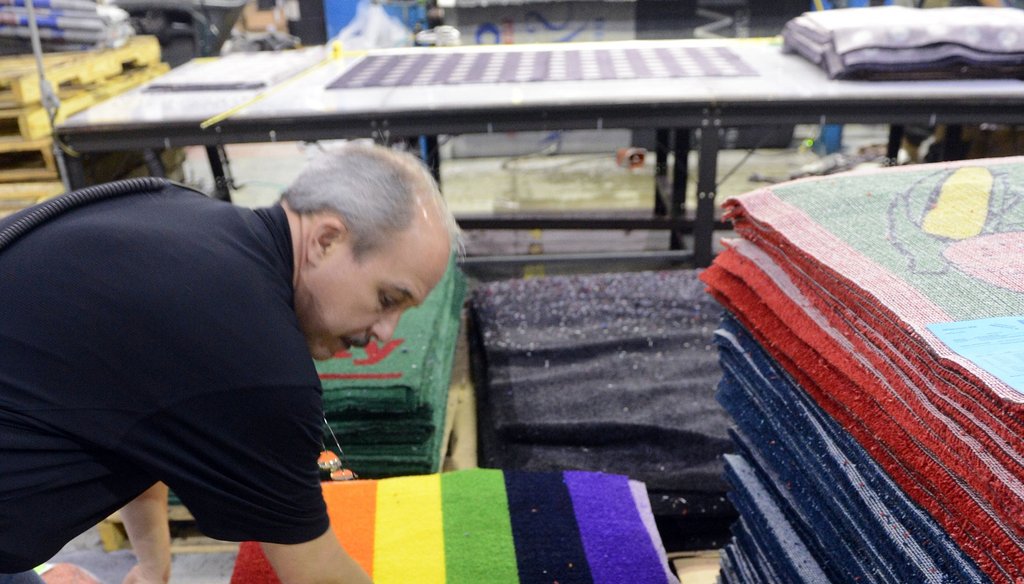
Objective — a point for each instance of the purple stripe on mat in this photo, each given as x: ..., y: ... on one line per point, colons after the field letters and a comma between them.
x: 617, y: 543
x: 541, y: 66
x: 573, y: 67
x: 396, y: 73
x: 359, y: 75
x: 410, y: 74
x: 700, y: 58
x: 669, y: 61
x: 531, y: 66
x: 510, y: 68
x: 476, y: 70
x: 378, y: 74
x: 604, y: 64
x: 739, y: 66
x: 446, y: 68
x: 637, y: 63
x: 643, y: 506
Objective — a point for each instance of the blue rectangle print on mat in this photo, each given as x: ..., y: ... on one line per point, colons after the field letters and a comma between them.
x: 994, y: 344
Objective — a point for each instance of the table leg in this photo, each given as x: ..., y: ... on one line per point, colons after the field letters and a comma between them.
x: 75, y: 171
x: 661, y: 146
x: 680, y: 176
x: 953, y: 145
x: 707, y: 174
x: 432, y: 157
x: 892, y: 149
x: 220, y: 180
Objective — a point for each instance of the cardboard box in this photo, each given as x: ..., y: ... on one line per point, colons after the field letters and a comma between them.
x: 255, y: 20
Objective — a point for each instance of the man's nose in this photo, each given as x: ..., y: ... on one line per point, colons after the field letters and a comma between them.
x: 384, y: 328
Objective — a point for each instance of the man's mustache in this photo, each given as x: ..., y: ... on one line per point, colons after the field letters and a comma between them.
x: 360, y: 341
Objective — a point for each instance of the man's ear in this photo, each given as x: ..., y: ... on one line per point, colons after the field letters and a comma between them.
x: 328, y: 231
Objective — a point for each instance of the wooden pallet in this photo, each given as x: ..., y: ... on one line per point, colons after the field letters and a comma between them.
x: 460, y: 435
x: 19, y: 76
x: 16, y: 196
x: 32, y: 121
x: 185, y: 537
x: 26, y: 160
x: 698, y: 567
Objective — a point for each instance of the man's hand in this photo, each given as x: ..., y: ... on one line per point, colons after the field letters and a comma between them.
x: 145, y: 520
x: 320, y: 561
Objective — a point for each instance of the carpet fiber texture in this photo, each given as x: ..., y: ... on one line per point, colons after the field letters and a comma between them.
x: 608, y: 361
x: 839, y: 278
x: 606, y: 372
x: 771, y: 548
x: 853, y: 518
x: 486, y: 525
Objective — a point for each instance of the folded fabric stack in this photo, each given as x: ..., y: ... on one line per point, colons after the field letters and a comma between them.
x: 63, y: 25
x: 484, y: 525
x: 613, y: 373
x: 386, y: 402
x: 869, y: 449
x: 897, y: 42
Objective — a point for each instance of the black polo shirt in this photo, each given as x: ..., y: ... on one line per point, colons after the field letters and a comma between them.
x: 153, y: 337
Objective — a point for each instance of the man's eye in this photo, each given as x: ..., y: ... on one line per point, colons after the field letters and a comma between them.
x: 386, y: 301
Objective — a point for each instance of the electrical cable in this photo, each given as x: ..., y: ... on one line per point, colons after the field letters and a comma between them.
x: 760, y: 142
x: 51, y: 103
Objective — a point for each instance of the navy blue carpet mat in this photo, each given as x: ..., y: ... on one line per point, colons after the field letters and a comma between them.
x: 852, y: 518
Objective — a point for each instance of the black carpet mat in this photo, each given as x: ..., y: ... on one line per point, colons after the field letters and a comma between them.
x: 608, y: 372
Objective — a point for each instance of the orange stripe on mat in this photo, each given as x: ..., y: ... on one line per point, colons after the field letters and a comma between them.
x: 352, y: 508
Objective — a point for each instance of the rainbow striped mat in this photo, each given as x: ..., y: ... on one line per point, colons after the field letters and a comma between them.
x: 484, y: 525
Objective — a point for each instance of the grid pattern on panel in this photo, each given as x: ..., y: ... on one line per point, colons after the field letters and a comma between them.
x: 408, y: 70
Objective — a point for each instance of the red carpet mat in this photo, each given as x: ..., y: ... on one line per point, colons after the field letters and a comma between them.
x: 839, y: 279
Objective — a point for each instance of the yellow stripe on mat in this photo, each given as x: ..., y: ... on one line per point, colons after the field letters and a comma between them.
x: 409, y: 551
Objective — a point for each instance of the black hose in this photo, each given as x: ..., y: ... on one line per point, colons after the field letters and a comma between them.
x: 47, y: 210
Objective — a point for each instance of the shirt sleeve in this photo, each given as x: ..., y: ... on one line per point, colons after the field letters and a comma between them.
x: 243, y: 461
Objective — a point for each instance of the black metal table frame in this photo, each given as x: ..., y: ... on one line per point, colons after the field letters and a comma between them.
x: 668, y: 118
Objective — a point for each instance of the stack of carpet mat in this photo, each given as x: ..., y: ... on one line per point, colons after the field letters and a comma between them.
x: 872, y: 366
x: 487, y: 526
x: 63, y: 25
x: 386, y: 402
x: 898, y: 42
x: 613, y: 373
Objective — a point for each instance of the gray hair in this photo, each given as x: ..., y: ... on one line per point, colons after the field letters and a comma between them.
x: 373, y: 189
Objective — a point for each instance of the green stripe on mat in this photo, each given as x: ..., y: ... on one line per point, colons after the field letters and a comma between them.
x: 478, y: 543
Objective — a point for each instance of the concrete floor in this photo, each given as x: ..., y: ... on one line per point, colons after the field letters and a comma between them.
x: 528, y: 182
x: 87, y: 552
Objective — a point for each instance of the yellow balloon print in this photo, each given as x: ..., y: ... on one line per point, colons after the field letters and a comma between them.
x: 961, y: 208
